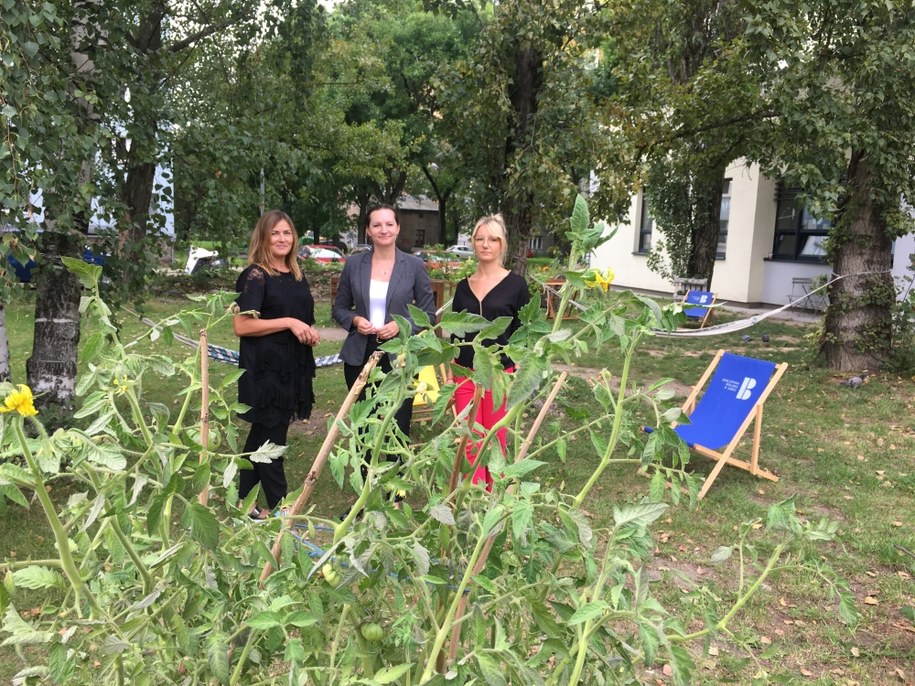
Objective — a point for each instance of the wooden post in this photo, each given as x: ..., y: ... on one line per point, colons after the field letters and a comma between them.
x: 311, y: 479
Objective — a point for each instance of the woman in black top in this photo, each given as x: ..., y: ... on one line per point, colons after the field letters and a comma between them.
x: 274, y: 321
x: 492, y: 291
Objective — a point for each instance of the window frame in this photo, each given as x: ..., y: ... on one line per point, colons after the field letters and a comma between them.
x: 793, y: 232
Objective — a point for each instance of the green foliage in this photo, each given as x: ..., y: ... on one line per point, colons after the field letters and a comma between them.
x: 161, y: 588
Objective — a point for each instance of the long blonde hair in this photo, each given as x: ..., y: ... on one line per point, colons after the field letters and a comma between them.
x: 259, y: 247
x: 496, y: 225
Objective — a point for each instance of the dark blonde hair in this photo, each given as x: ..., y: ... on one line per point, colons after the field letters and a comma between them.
x: 259, y: 247
x: 496, y: 226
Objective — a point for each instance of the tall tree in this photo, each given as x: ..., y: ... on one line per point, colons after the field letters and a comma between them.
x: 841, y: 76
x: 691, y: 100
x: 523, y: 116
x: 84, y: 115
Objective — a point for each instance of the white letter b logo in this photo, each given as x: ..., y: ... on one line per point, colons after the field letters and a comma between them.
x: 743, y: 393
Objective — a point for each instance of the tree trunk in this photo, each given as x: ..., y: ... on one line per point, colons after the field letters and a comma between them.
x: 523, y: 92
x: 857, y: 331
x: 4, y: 346
x: 51, y: 369
x: 706, y: 223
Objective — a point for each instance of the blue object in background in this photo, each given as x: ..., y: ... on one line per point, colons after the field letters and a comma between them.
x: 24, y: 271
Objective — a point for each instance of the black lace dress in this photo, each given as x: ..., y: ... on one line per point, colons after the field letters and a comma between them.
x: 277, y: 383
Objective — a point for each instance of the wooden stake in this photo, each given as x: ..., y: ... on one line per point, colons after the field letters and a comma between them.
x: 487, y: 547
x: 311, y: 479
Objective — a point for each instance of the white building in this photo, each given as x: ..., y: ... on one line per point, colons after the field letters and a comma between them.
x: 768, y: 250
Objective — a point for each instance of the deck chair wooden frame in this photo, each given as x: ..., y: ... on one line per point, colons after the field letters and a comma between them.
x: 697, y: 306
x: 754, y: 413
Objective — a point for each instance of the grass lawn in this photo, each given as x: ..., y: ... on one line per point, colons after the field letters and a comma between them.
x: 844, y: 454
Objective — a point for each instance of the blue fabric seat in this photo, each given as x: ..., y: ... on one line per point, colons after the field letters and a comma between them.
x: 698, y: 306
x: 735, y: 389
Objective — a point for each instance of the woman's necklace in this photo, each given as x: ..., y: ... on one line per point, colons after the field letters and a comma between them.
x: 382, y: 269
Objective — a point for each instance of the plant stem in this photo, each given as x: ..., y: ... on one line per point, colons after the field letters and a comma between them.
x: 445, y: 628
x: 249, y: 645
x: 617, y: 425
x: 60, y: 535
x: 741, y: 601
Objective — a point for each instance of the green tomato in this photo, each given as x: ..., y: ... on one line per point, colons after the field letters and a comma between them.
x: 331, y: 575
x: 8, y: 583
x: 371, y: 631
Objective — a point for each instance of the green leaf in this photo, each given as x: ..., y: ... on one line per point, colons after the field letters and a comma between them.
x: 650, y: 641
x: 640, y: 515
x: 588, y: 611
x: 442, y: 513
x: 526, y: 380
x: 38, y: 577
x: 22, y: 633
x: 218, y: 656
x: 722, y: 554
x: 522, y: 515
x: 388, y: 675
x: 204, y: 526
x: 682, y: 664
x: 580, y: 219
x: 264, y: 620
x: 462, y: 323
x: 88, y: 274
x: 490, y: 669
x: 420, y: 318
x: 847, y: 610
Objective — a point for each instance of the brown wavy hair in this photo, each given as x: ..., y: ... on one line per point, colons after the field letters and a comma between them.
x: 259, y: 247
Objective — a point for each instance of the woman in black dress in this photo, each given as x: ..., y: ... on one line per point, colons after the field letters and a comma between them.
x: 274, y: 322
x: 492, y: 291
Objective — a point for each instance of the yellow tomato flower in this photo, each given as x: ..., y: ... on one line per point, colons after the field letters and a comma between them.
x: 601, y: 281
x: 121, y: 384
x: 20, y: 401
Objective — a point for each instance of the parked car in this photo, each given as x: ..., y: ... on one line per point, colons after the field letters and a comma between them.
x: 323, y: 254
x: 360, y: 247
x: 462, y: 251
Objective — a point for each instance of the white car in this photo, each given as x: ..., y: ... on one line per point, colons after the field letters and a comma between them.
x: 462, y: 251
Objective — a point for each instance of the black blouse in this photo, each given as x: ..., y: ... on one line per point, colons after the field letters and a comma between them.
x: 504, y: 300
x: 277, y: 383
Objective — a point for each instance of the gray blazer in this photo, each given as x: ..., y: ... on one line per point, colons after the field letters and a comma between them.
x: 409, y: 286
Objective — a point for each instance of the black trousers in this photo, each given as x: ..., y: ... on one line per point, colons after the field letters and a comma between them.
x: 404, y: 414
x: 271, y: 476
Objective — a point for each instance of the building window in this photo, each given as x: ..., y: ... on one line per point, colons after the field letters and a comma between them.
x: 535, y: 243
x: 724, y: 218
x: 798, y: 234
x: 419, y: 238
x: 646, y: 224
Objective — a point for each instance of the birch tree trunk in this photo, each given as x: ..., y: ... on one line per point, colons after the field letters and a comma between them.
x: 51, y: 369
x: 4, y: 346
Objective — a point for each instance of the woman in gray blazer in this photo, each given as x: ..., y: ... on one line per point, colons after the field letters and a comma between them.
x: 374, y: 286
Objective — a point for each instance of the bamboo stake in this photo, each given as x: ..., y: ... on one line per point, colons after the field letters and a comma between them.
x: 204, y: 495
x: 311, y: 479
x: 487, y: 548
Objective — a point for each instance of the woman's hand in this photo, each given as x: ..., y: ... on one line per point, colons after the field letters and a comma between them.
x: 305, y: 334
x: 364, y: 326
x: 389, y: 330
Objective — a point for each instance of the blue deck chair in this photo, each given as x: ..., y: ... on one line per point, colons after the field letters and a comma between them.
x: 697, y: 306
x: 734, y: 398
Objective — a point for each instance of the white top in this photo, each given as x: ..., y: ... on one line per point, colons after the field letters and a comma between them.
x: 378, y: 296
